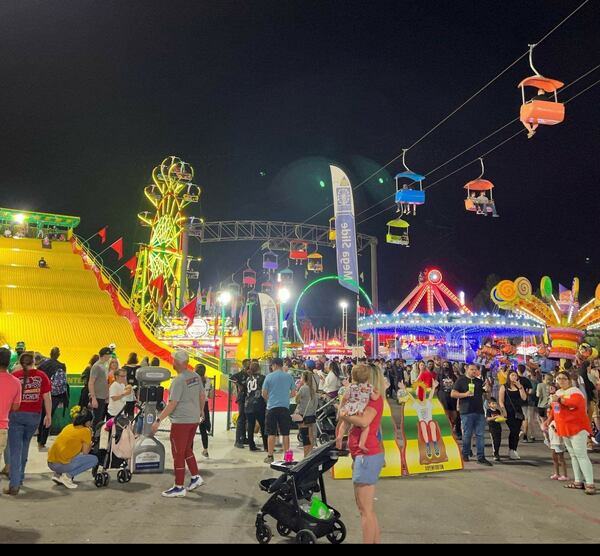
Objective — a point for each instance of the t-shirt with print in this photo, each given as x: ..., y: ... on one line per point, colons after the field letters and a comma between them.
x: 36, y: 386
x: 185, y: 389
x: 10, y: 394
x: 99, y: 376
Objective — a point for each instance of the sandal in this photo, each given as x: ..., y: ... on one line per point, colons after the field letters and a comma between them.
x: 576, y: 486
x: 554, y: 477
x: 590, y: 489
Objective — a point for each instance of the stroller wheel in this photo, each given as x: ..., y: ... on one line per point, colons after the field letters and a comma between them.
x: 99, y: 480
x: 105, y: 479
x: 337, y: 534
x: 263, y: 534
x: 122, y: 476
x: 283, y: 530
x: 127, y: 475
x: 306, y: 537
x: 324, y: 438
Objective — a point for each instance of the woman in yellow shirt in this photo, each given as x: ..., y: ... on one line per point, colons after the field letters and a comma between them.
x: 69, y: 455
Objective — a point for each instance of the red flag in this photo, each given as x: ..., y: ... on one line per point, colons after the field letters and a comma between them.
x: 189, y: 311
x: 131, y: 264
x: 117, y: 247
x: 102, y: 234
x: 159, y: 284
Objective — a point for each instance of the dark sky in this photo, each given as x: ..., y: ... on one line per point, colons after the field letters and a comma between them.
x: 94, y: 94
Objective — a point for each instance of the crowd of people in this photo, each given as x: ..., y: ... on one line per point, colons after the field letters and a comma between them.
x: 559, y: 406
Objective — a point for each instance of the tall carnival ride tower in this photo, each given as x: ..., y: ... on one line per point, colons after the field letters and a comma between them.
x: 160, y: 279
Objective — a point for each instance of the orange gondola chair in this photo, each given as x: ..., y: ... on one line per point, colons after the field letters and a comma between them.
x: 540, y: 111
x: 477, y: 201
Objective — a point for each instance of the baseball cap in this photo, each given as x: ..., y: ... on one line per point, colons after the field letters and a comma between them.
x: 20, y: 345
x: 104, y: 351
x: 181, y: 355
x: 310, y: 364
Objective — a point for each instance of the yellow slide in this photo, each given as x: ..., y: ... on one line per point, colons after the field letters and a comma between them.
x: 63, y: 305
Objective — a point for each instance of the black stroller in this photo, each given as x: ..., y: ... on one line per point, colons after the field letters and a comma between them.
x: 298, y: 482
x: 103, y: 446
x: 326, y: 420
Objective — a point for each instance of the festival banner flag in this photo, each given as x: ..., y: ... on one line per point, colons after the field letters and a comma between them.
x: 270, y: 323
x: 131, y: 264
x: 189, y: 311
x: 159, y: 284
x: 345, y: 230
x: 102, y: 234
x: 117, y: 247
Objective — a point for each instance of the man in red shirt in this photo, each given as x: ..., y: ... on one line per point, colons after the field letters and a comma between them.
x: 10, y: 396
x: 36, y: 391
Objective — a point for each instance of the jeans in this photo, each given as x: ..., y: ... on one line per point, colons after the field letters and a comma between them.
x: 580, y: 461
x: 252, y: 418
x: 21, y: 428
x: 43, y: 432
x: 77, y: 465
x: 240, y: 430
x: 473, y: 423
x: 99, y: 413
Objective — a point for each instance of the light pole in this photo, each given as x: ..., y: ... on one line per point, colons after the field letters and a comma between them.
x: 224, y: 299
x: 283, y: 294
x: 344, y: 306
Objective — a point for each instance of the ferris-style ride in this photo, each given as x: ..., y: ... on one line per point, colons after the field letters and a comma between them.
x: 157, y: 282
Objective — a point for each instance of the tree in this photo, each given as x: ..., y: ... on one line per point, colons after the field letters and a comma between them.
x: 482, y: 302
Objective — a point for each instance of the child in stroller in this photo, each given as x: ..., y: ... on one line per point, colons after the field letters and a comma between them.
x: 292, y: 491
x: 113, y: 444
x: 326, y: 419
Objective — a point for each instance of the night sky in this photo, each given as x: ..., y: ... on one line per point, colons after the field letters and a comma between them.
x: 260, y: 96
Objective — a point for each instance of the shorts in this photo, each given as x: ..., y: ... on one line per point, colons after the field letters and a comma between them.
x: 278, y: 421
x: 366, y: 469
x: 542, y: 412
x: 304, y: 435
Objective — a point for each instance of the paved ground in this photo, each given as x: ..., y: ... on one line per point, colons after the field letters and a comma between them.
x: 511, y: 502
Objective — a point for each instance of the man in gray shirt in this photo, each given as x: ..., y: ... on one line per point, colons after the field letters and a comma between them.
x: 186, y: 410
x: 98, y: 386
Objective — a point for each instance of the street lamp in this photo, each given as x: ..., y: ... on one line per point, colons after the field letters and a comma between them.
x: 344, y: 306
x: 283, y: 294
x: 224, y: 299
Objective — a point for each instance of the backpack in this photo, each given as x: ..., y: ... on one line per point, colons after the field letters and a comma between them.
x: 59, y: 382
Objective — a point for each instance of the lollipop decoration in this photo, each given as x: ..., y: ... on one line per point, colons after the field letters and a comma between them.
x: 565, y: 320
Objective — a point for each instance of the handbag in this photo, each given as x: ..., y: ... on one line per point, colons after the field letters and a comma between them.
x: 518, y: 412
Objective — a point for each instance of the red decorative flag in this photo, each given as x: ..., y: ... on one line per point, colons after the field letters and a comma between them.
x: 102, y: 234
x: 159, y: 284
x: 131, y: 264
x: 117, y: 247
x: 189, y: 311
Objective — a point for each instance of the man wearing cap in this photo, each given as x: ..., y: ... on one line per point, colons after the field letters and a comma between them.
x: 14, y: 357
x: 186, y: 410
x: 277, y: 390
x: 98, y: 386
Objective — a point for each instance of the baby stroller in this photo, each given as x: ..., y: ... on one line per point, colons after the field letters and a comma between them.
x: 326, y: 419
x: 113, y: 446
x: 290, y: 492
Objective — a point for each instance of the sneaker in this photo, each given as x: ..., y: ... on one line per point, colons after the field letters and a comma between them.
x: 195, y: 482
x: 484, y: 461
x: 57, y: 478
x: 205, y: 453
x: 255, y: 449
x: 466, y: 459
x: 269, y: 459
x: 174, y: 492
x: 512, y: 454
x: 11, y: 491
x: 239, y: 445
x: 67, y: 481
x: 496, y: 457
x: 42, y: 448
